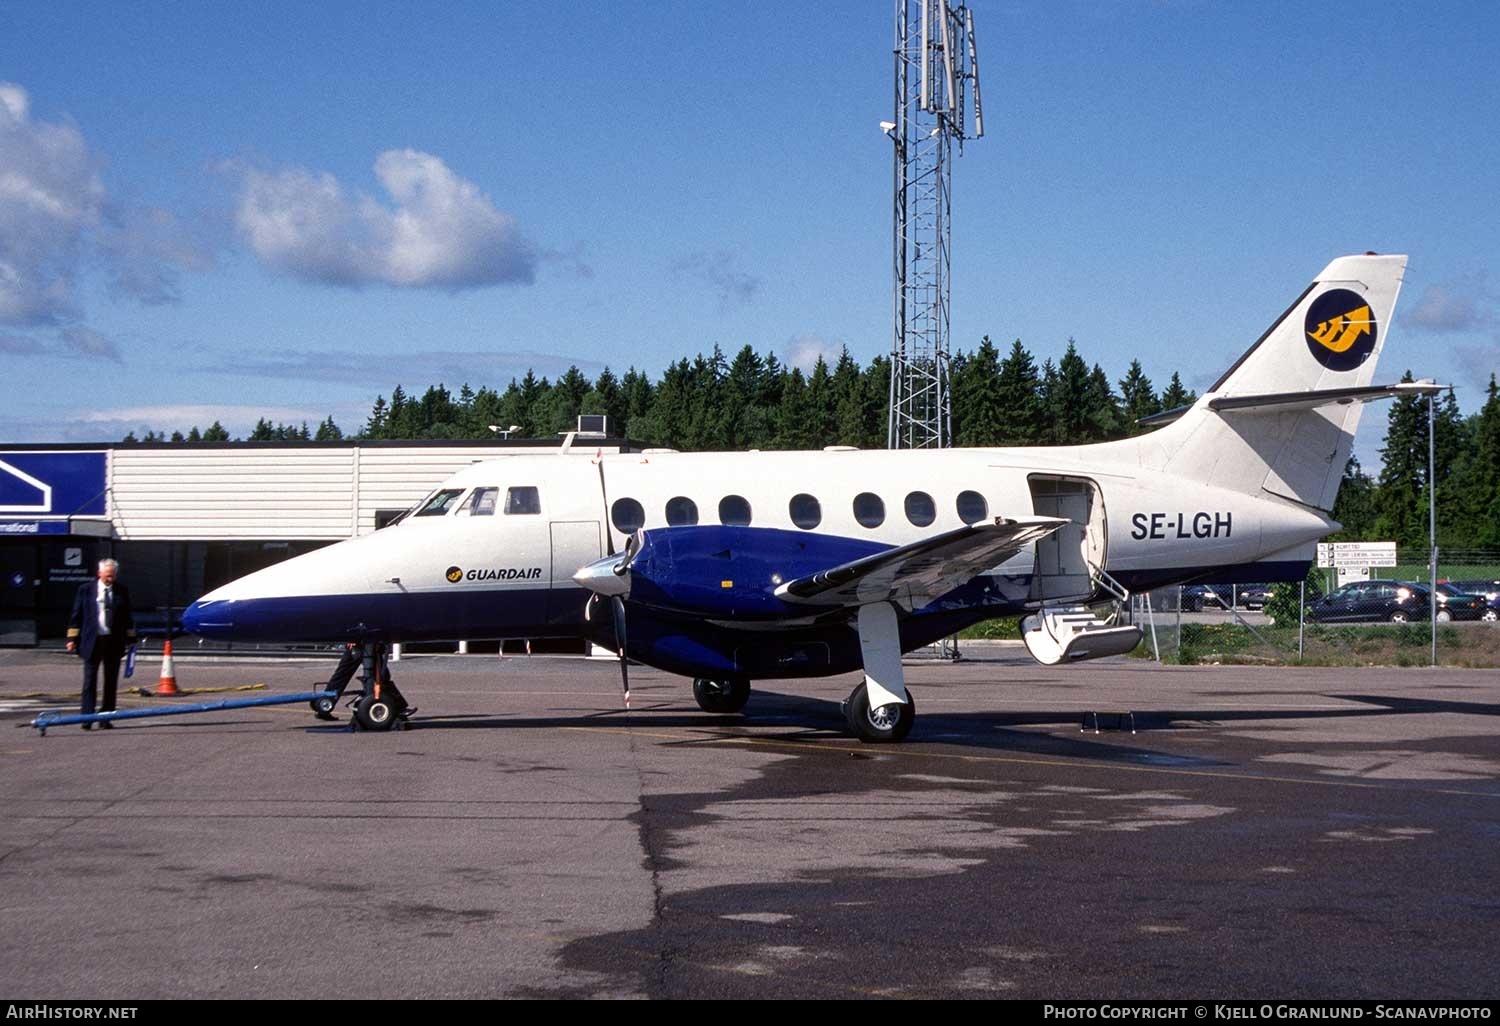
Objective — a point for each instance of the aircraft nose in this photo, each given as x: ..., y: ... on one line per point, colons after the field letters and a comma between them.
x: 208, y: 617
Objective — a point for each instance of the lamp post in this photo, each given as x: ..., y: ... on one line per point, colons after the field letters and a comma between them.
x: 1432, y: 551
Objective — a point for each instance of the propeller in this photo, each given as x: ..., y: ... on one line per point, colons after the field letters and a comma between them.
x: 616, y: 601
x: 617, y: 606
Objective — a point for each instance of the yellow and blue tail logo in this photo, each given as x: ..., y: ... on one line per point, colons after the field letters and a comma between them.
x: 1341, y: 329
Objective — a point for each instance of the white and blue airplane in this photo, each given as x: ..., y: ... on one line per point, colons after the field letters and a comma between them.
x: 734, y: 567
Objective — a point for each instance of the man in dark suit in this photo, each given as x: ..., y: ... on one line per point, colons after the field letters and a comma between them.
x: 100, y: 629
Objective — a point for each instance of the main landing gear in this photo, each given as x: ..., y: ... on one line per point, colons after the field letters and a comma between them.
x: 721, y: 696
x: 890, y: 722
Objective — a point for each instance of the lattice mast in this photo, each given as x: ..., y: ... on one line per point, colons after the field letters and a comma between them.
x: 937, y: 65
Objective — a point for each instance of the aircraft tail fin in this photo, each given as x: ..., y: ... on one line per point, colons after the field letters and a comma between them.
x: 1327, y: 342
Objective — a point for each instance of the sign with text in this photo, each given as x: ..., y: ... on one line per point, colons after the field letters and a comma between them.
x: 1356, y: 554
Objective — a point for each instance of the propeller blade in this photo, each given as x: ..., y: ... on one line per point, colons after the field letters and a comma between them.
x: 609, y: 541
x: 617, y: 606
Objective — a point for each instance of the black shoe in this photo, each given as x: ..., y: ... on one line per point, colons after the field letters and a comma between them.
x: 106, y: 725
x: 326, y: 716
x: 86, y: 726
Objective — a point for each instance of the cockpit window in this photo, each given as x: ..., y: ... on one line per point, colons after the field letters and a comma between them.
x: 524, y: 499
x: 480, y: 503
x: 443, y: 500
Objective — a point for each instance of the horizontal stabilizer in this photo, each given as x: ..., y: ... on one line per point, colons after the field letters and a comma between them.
x: 918, y: 572
x: 1280, y: 402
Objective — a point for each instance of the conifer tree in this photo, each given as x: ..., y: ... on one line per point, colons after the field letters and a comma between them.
x: 1137, y: 399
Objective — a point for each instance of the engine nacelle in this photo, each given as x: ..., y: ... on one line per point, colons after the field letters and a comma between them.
x: 719, y: 572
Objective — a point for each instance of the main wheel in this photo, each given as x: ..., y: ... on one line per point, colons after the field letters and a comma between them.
x: 882, y: 723
x: 1399, y: 616
x: 375, y: 713
x: 1490, y: 615
x: 721, y: 696
x: 1444, y: 616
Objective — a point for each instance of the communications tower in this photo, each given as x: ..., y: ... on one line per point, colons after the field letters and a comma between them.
x: 937, y: 65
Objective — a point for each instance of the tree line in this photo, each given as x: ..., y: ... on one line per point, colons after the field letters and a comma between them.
x: 711, y: 402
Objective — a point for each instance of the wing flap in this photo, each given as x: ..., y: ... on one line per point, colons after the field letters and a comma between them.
x: 921, y: 570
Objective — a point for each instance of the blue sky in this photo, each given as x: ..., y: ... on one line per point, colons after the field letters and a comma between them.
x: 218, y: 212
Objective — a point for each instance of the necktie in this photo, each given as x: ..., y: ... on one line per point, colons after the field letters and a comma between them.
x: 109, y: 609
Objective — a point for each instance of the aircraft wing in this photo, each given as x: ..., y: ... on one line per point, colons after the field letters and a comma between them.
x: 922, y: 570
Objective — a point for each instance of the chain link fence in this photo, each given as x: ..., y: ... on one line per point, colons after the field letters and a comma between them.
x: 1394, y: 618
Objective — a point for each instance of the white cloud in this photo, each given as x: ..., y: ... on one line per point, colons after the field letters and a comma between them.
x: 50, y: 193
x: 492, y: 367
x: 83, y: 342
x: 238, y: 419
x: 144, y: 248
x: 1458, y: 306
x: 55, y: 216
x: 730, y: 286
x: 71, y: 341
x: 804, y: 351
x: 440, y: 231
x: 21, y: 345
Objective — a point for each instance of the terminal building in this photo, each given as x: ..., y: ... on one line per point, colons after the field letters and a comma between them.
x: 184, y: 518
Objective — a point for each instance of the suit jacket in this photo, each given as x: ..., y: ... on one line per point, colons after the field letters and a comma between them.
x: 83, y: 622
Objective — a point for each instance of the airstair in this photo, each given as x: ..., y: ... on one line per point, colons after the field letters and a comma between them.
x: 1066, y: 633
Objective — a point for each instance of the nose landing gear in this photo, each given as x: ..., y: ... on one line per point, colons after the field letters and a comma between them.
x: 380, y: 706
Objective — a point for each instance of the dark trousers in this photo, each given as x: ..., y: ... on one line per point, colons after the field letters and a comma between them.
x: 106, y: 657
x: 349, y: 664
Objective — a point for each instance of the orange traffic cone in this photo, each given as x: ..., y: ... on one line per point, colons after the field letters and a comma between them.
x: 168, y: 683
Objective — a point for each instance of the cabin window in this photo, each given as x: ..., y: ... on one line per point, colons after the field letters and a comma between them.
x: 972, y: 508
x: 869, y: 509
x: 443, y: 500
x: 480, y: 503
x: 806, y: 511
x: 627, y: 515
x: 734, y: 510
x: 681, y: 512
x: 524, y: 499
x: 920, y: 509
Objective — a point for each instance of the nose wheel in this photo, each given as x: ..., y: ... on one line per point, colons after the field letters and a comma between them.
x: 381, y: 706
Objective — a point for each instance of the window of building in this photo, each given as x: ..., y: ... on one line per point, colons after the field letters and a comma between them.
x: 627, y: 515
x: 972, y: 508
x: 806, y: 511
x: 480, y: 503
x: 524, y: 499
x: 443, y: 500
x: 869, y: 509
x: 734, y: 510
x: 920, y: 509
x: 681, y: 512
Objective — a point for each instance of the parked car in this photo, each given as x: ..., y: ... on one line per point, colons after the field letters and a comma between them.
x: 1255, y: 596
x: 1396, y: 601
x: 1488, y: 589
x: 1198, y: 597
x: 1460, y: 603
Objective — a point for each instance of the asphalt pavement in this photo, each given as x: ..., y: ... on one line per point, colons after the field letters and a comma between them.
x: 1263, y: 832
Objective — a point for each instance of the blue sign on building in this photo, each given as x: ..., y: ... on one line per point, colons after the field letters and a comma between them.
x: 42, y: 484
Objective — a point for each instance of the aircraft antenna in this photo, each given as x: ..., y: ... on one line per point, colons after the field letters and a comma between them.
x: 936, y: 66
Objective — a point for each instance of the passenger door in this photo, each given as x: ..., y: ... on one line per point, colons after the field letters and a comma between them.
x: 1062, y: 570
